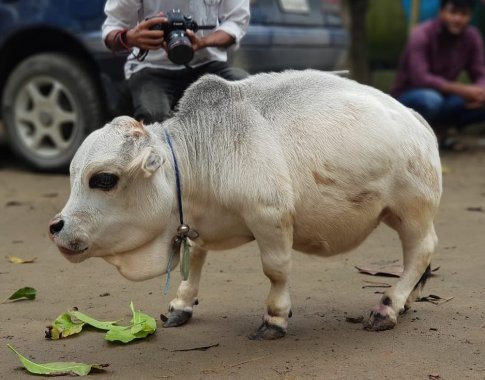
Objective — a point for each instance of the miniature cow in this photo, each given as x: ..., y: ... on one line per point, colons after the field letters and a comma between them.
x: 300, y: 160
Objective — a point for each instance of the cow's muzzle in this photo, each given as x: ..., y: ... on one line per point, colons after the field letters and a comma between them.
x: 68, y: 246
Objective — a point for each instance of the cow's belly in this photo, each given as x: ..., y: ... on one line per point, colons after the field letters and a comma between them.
x: 330, y: 229
x: 225, y: 243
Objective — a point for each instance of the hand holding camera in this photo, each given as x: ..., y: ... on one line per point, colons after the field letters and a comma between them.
x: 144, y: 36
x: 179, y: 33
x: 175, y: 32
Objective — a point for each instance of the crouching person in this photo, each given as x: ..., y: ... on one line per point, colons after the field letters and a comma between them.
x: 436, y: 53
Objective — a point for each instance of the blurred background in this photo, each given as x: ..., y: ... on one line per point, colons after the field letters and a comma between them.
x: 58, y: 82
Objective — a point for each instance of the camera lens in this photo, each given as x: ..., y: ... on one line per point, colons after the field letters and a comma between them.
x: 179, y: 48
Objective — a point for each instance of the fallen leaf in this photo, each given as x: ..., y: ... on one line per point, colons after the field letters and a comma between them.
x: 393, y: 270
x: 359, y: 319
x: 50, y: 195
x: 63, y: 327
x: 18, y: 260
x: 13, y: 203
x: 21, y: 294
x: 142, y: 325
x: 56, y: 368
x: 434, y: 299
x: 477, y: 209
x: 102, y: 325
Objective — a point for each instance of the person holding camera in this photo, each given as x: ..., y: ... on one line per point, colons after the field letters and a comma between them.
x: 172, y: 43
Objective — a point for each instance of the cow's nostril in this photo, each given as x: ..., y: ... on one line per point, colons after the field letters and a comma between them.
x: 55, y: 227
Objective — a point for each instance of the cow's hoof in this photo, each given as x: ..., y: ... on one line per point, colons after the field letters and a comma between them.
x: 381, y: 318
x: 268, y: 332
x: 177, y: 318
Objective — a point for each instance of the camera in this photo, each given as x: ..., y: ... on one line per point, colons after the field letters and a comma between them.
x: 179, y: 47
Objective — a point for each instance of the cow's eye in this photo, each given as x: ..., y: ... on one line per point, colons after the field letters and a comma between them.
x: 103, y: 181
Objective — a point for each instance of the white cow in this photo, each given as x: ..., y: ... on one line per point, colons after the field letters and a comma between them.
x: 299, y: 160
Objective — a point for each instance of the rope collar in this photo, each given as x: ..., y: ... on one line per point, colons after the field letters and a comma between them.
x: 177, y: 178
x: 184, y: 232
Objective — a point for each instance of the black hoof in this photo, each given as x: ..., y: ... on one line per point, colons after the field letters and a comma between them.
x: 378, y: 322
x: 177, y: 318
x: 268, y: 332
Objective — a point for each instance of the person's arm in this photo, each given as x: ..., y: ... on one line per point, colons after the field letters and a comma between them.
x: 121, y: 30
x: 140, y: 36
x: 234, y: 18
x: 420, y: 75
x: 474, y: 93
x: 120, y: 16
x: 218, y: 38
x: 476, y: 65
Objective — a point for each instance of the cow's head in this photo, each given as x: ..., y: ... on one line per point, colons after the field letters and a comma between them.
x: 121, y: 202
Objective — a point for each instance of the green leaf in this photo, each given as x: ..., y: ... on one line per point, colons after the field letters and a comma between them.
x: 63, y: 327
x: 23, y: 293
x: 102, y: 325
x: 123, y: 336
x: 142, y: 325
x: 148, y: 323
x: 56, y: 368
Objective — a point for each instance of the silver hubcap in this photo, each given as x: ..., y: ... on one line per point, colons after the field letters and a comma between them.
x: 45, y: 116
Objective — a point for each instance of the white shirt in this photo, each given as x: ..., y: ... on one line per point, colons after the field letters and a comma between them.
x: 231, y: 16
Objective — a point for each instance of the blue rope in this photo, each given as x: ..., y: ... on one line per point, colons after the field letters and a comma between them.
x: 179, y: 200
x: 177, y: 178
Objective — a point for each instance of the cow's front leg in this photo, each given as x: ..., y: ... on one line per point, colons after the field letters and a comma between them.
x: 181, y: 307
x: 275, y: 243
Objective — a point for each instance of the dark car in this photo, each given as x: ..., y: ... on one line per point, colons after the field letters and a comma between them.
x: 58, y: 82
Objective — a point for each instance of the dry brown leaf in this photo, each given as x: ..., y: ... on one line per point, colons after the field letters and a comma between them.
x: 18, y: 260
x: 376, y: 284
x: 434, y: 299
x: 393, y: 270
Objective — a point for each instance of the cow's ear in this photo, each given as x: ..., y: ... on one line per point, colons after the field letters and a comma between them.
x: 148, y: 162
x: 151, y: 162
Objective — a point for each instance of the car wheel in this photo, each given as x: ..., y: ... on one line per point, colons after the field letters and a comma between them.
x: 50, y: 104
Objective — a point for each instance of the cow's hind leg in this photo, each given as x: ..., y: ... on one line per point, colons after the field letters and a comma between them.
x: 418, y: 240
x: 181, y: 307
x: 274, y: 235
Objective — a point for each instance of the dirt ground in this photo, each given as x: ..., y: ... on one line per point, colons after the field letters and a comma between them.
x: 444, y: 341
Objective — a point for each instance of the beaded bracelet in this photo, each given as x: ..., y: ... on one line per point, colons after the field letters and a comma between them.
x: 123, y: 40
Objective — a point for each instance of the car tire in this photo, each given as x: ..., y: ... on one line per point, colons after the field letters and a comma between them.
x: 50, y: 104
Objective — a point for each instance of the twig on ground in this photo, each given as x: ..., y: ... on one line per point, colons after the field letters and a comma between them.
x: 376, y: 284
x: 248, y: 361
x: 202, y: 348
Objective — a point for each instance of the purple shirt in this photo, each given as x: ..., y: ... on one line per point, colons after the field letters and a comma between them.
x: 433, y: 57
